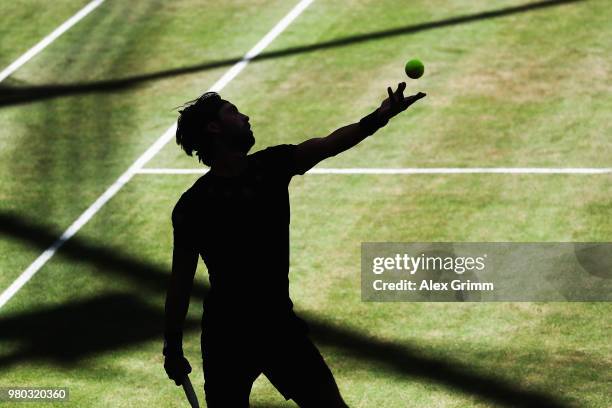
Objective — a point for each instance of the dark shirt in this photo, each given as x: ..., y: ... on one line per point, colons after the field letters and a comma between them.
x: 240, y: 227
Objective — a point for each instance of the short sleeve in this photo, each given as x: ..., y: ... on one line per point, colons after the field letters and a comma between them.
x: 281, y: 160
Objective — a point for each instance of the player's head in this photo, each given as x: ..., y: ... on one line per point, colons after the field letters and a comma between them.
x: 210, y: 125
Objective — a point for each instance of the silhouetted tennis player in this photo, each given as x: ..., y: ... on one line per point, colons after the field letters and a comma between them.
x: 236, y: 217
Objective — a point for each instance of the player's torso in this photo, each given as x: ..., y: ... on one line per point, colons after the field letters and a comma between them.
x: 244, y: 229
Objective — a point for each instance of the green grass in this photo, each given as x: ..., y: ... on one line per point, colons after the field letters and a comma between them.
x: 526, y: 89
x: 25, y: 23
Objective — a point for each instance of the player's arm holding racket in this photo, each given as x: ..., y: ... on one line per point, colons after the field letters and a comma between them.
x: 184, y: 264
x: 312, y: 151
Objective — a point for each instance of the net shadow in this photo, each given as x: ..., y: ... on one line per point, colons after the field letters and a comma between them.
x: 69, y: 332
x: 14, y: 95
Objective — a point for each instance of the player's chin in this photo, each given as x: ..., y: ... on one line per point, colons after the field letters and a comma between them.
x: 248, y: 141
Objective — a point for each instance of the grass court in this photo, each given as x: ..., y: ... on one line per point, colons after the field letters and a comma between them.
x: 509, y: 84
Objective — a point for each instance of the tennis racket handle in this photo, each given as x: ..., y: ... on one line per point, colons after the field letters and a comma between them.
x: 190, y: 393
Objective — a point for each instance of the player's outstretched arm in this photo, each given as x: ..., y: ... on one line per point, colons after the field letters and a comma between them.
x: 312, y: 151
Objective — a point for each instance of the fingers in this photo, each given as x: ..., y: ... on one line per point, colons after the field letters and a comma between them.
x: 400, y: 95
x: 413, y: 98
x: 177, y: 369
x: 418, y: 96
x: 400, y: 88
x: 397, y: 101
x: 396, y: 97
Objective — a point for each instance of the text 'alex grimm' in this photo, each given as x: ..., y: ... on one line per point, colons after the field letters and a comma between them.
x: 423, y: 263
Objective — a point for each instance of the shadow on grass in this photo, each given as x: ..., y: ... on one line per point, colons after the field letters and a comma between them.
x: 10, y: 95
x: 401, y: 360
x: 66, y: 333
x: 141, y: 274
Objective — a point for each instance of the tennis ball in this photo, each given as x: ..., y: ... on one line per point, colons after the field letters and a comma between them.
x: 414, y: 68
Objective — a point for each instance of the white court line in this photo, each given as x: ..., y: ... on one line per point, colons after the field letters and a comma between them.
x: 146, y: 156
x: 421, y: 170
x: 29, y: 54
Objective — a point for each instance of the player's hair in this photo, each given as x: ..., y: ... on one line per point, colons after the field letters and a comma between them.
x: 191, y: 133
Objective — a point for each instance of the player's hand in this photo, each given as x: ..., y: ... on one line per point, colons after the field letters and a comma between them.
x: 177, y: 367
x: 396, y: 102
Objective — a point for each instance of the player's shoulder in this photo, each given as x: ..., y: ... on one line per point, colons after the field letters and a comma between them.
x: 274, y: 151
x: 279, y: 156
x: 190, y: 199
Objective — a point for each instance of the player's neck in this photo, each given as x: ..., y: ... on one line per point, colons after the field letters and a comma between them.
x: 229, y: 164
